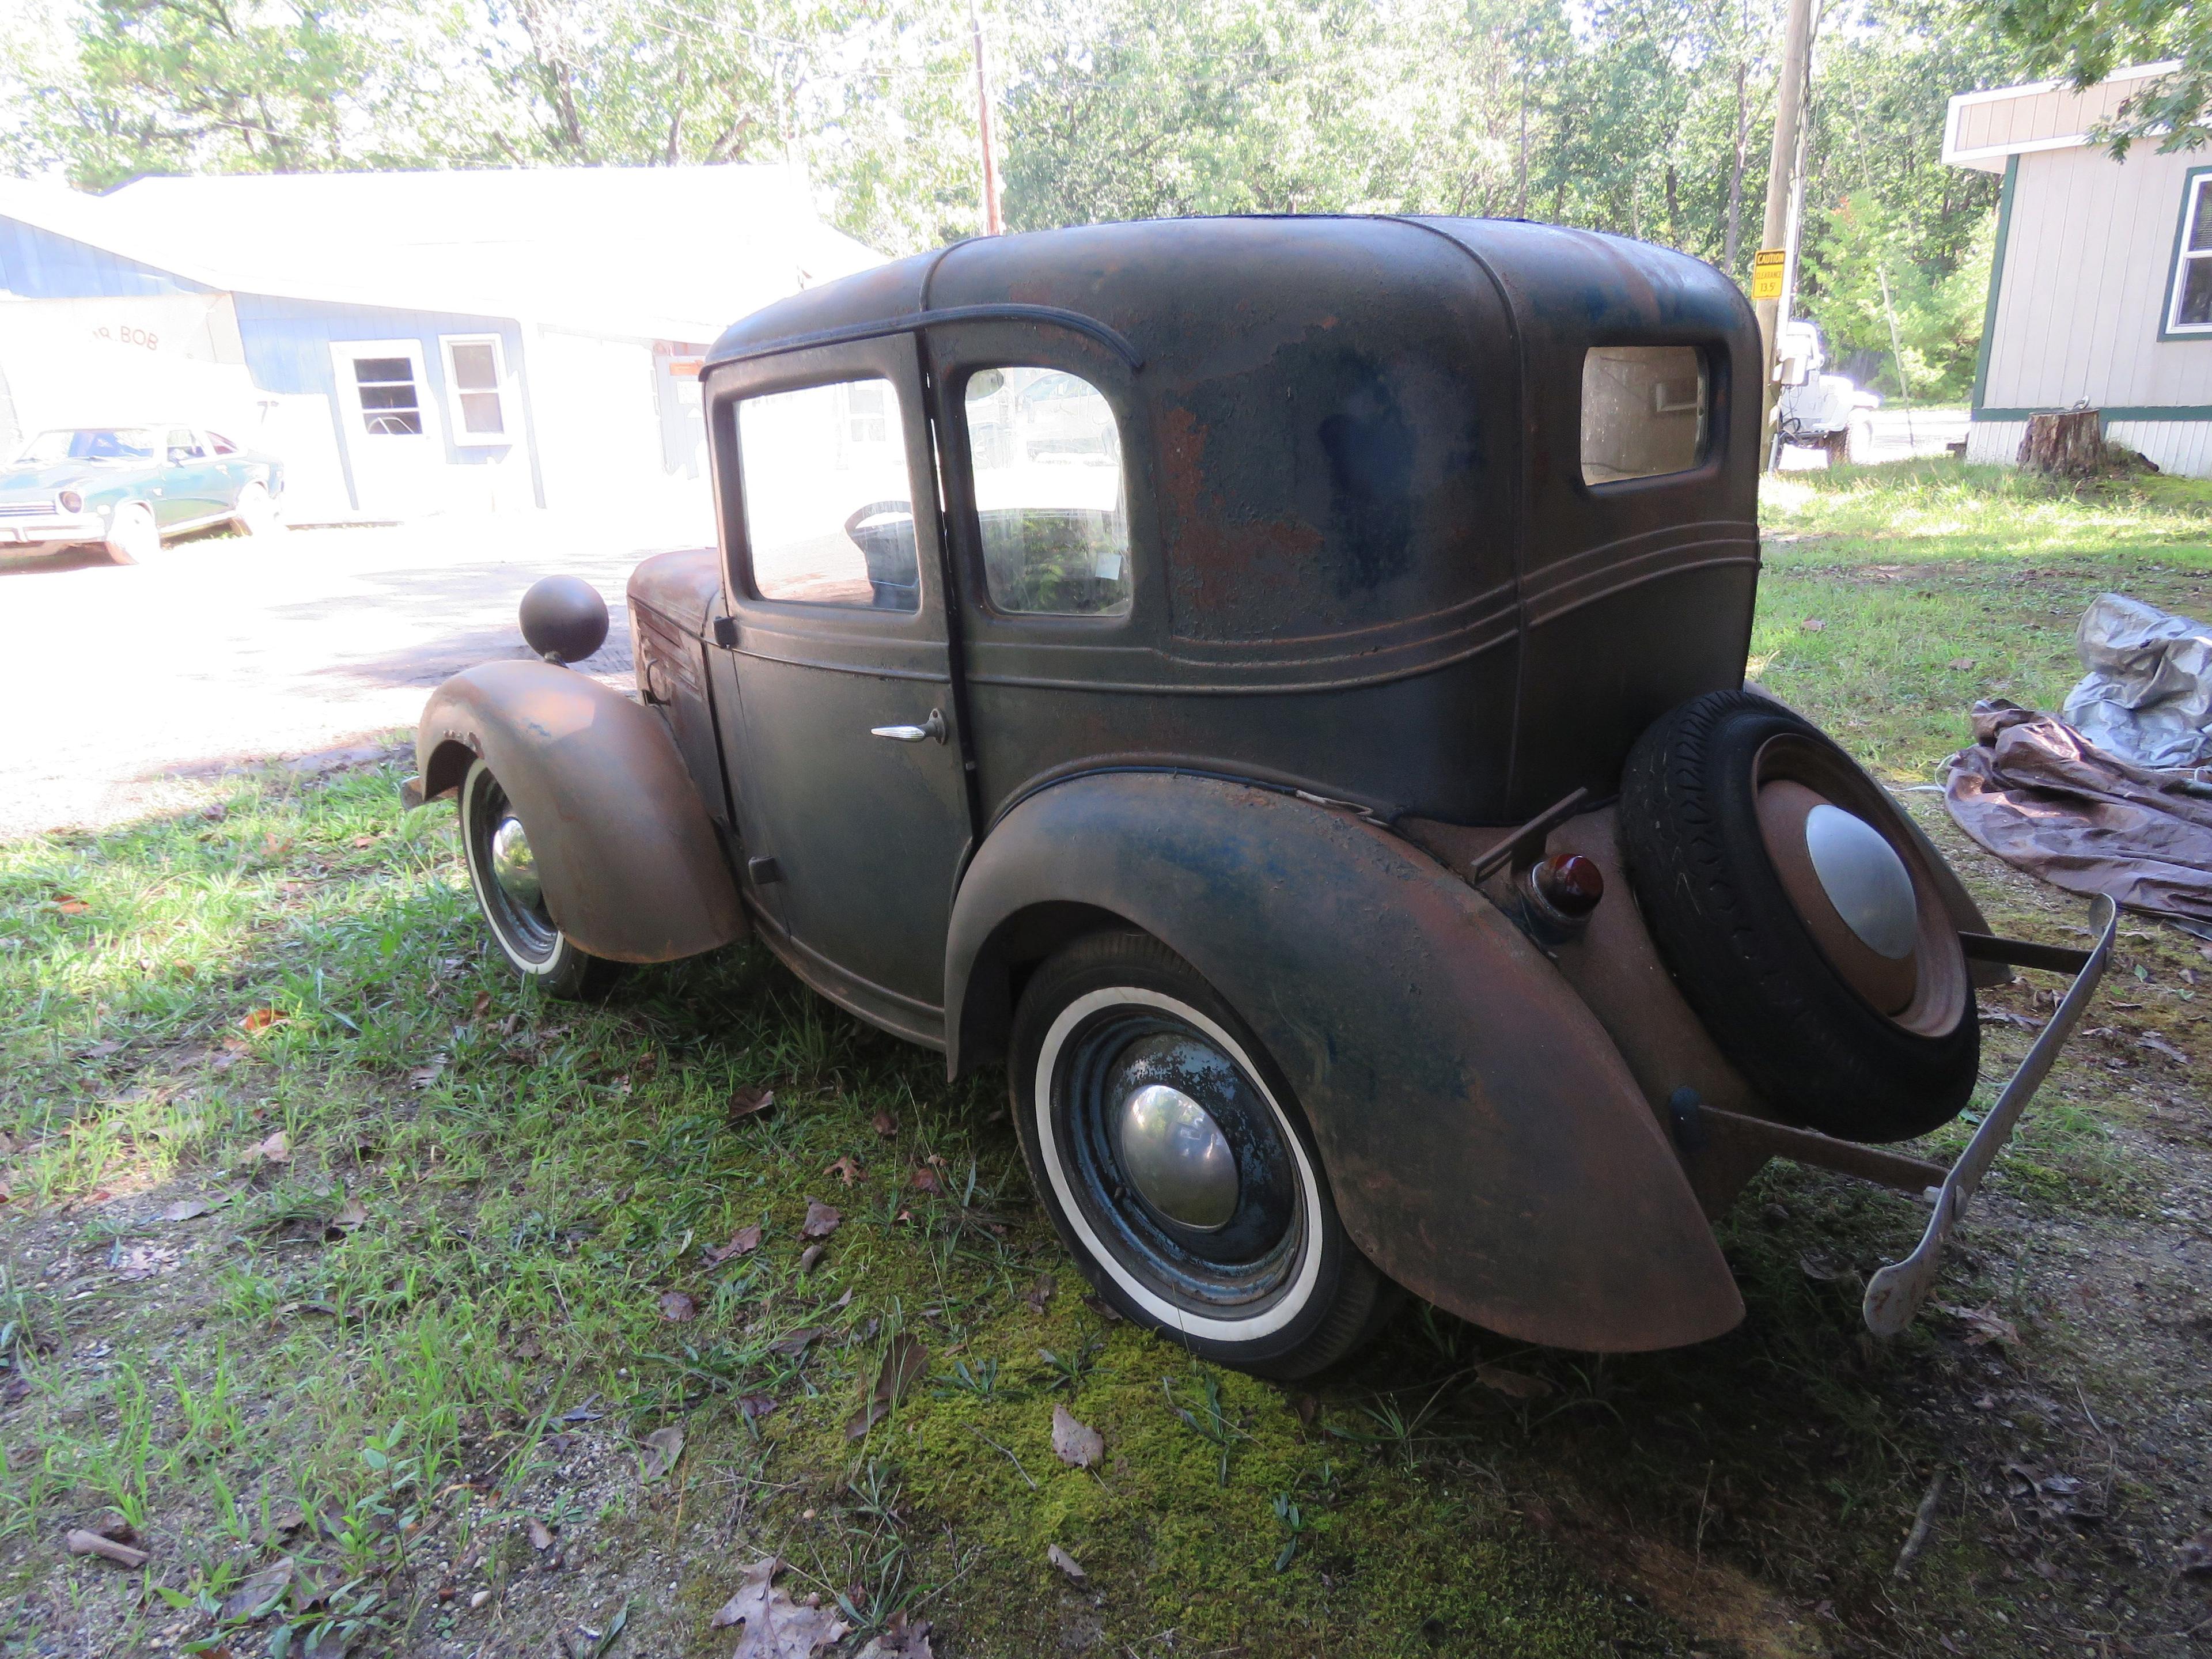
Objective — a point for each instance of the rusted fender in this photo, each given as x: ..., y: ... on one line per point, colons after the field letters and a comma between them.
x: 1487, y: 1146
x: 630, y: 866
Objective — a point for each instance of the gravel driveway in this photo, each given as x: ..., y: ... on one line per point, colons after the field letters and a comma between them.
x: 130, y: 690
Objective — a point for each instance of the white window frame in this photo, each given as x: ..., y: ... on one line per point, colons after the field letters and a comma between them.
x: 2197, y: 203
x: 342, y: 354
x: 456, y: 423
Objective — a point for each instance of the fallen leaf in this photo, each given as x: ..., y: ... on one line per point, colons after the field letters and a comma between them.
x: 905, y: 1360
x: 258, y: 1593
x: 70, y: 904
x: 1812, y: 625
x: 541, y: 1536
x: 2157, y: 1044
x: 748, y: 1100
x: 797, y: 1342
x: 2196, y: 1555
x: 1307, y: 1406
x: 284, y: 1521
x: 809, y: 1257
x: 821, y: 1219
x: 898, y: 1640
x: 587, y: 1412
x: 756, y: 1406
x: 81, y: 1542
x: 663, y: 1448
x: 886, y: 1125
x: 675, y: 1307
x: 1039, y: 1293
x: 775, y: 1626
x: 1077, y: 1444
x: 844, y: 1168
x: 260, y: 1019
x: 350, y: 1215
x: 277, y: 1149
x: 184, y: 1209
x: 1514, y: 1385
x: 423, y: 1076
x: 926, y: 1179
x: 1961, y: 664
x: 743, y: 1242
x: 1985, y: 1325
x: 481, y: 1006
x: 1825, y: 1270
x: 1066, y: 1563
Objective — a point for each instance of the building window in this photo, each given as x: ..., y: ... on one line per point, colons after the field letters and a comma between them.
x: 2190, y: 308
x: 476, y: 386
x: 391, y: 406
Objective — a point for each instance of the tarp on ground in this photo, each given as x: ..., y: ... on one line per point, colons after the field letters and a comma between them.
x: 2042, y: 798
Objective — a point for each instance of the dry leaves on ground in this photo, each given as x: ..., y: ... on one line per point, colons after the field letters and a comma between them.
x: 809, y: 1257
x: 746, y: 1102
x: 260, y: 1019
x: 259, y: 1592
x: 1039, y: 1293
x: 821, y: 1219
x: 926, y: 1179
x: 898, y: 1640
x: 845, y: 1170
x: 350, y: 1215
x: 743, y: 1242
x: 277, y: 1149
x: 1812, y: 625
x: 1066, y: 1563
x: 1514, y: 1385
x: 676, y: 1306
x: 185, y: 1209
x: 662, y: 1448
x: 1985, y: 1325
x: 775, y: 1626
x: 1077, y: 1444
x: 905, y: 1360
x: 886, y: 1125
x: 541, y: 1536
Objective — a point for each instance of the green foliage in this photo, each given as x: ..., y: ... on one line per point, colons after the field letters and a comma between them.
x: 2085, y: 42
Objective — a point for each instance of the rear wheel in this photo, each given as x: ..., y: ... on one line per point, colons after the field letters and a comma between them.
x: 1174, y: 1162
x: 504, y: 872
x: 133, y: 537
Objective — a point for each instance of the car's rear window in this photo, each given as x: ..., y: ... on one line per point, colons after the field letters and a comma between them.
x: 1644, y: 412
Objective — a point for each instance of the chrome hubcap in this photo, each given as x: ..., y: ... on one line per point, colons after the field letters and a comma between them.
x: 1864, y: 880
x: 1176, y: 1156
x: 513, y: 867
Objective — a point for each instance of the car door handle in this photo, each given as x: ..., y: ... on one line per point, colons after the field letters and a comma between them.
x: 932, y: 727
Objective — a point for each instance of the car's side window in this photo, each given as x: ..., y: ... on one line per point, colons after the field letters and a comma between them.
x: 183, y: 446
x: 828, y: 504
x: 1644, y: 412
x: 222, y: 445
x: 1046, y: 457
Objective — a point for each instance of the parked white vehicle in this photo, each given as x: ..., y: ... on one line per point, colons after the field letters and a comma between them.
x: 1819, y: 410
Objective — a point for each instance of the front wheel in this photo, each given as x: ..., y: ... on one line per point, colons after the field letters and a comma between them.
x: 133, y: 537
x: 1177, y: 1167
x: 256, y: 512
x: 503, y: 871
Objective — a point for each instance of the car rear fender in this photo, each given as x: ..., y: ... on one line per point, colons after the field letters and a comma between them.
x: 631, y: 867
x: 1487, y: 1144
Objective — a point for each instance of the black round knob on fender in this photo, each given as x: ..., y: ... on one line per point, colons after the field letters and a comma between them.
x: 563, y: 618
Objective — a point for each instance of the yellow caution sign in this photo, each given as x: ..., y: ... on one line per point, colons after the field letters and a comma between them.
x: 1767, y: 273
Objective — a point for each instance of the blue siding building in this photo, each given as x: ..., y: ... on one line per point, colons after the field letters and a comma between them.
x: 407, y: 343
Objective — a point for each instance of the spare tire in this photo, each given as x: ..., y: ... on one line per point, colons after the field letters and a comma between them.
x: 1802, y: 920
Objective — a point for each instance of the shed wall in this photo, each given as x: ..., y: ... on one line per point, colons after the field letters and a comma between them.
x: 2088, y: 254
x: 40, y: 266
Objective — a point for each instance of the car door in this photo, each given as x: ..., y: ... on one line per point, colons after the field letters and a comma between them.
x: 183, y: 491
x: 845, y: 750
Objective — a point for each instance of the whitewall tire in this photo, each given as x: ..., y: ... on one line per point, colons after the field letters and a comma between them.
x: 1177, y: 1166
x: 503, y: 871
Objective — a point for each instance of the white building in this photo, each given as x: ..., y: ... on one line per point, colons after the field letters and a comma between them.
x: 405, y: 342
x: 2101, y: 288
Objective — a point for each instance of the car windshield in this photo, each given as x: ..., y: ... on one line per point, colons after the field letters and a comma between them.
x: 91, y: 443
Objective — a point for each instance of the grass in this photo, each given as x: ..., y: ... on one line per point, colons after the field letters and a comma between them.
x: 421, y: 1344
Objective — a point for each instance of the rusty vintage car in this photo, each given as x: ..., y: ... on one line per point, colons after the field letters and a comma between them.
x: 1276, y: 685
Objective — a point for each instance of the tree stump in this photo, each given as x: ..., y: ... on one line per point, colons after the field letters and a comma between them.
x: 2067, y: 445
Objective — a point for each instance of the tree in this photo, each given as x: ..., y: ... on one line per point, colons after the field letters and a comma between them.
x: 2085, y: 40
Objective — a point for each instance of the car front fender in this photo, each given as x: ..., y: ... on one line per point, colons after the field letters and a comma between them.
x: 1486, y: 1144
x: 631, y: 868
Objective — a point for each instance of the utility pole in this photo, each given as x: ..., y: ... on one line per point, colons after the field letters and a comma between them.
x: 1781, y: 169
x: 994, y: 223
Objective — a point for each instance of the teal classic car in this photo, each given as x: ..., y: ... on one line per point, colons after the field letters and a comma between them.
x: 125, y: 488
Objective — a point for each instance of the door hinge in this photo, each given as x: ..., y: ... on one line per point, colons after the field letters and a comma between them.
x: 726, y: 632
x: 764, y: 870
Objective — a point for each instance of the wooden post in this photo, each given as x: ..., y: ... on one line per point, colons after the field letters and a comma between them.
x: 2067, y: 445
x: 1789, y: 95
x: 993, y: 223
